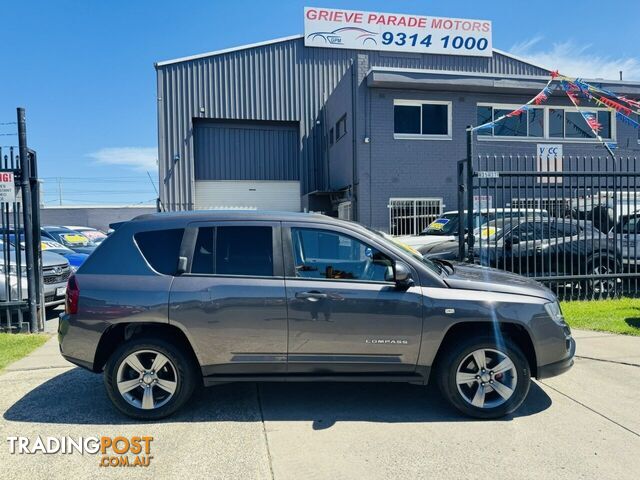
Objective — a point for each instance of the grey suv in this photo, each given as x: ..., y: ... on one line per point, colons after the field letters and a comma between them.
x: 172, y: 301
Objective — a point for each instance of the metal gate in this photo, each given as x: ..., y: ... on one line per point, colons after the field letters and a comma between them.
x: 410, y: 216
x: 20, y: 273
x: 573, y: 224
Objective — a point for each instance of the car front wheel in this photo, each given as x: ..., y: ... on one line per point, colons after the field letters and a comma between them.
x: 484, y: 377
x: 149, y: 378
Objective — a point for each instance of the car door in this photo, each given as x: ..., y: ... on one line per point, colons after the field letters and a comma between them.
x: 231, y: 300
x: 346, y: 315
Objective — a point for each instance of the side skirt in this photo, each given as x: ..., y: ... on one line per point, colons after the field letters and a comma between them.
x: 421, y: 377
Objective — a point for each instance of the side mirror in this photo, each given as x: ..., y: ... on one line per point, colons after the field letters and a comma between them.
x: 402, y: 275
x: 182, y: 265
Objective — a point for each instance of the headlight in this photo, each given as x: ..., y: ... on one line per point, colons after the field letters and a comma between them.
x: 13, y: 271
x: 553, y: 309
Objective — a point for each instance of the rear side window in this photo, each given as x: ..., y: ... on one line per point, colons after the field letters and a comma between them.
x: 234, y: 250
x: 161, y: 248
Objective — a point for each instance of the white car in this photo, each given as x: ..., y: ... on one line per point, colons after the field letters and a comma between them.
x: 445, y: 227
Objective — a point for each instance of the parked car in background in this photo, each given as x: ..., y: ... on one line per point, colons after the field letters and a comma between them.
x: 55, y: 273
x: 446, y: 226
x: 215, y: 307
x: 93, y: 234
x: 75, y: 259
x: 539, y: 247
x: 71, y: 239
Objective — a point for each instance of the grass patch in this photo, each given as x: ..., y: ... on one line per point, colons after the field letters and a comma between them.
x: 14, y: 346
x: 615, y: 316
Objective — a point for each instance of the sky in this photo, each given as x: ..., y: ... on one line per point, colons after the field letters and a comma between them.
x: 84, y: 69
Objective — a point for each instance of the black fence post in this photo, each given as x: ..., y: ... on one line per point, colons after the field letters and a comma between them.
x: 469, y: 218
x: 461, y: 189
x: 37, y: 238
x: 27, y: 212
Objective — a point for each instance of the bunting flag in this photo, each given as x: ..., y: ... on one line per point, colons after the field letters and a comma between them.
x: 577, y: 89
x: 540, y: 98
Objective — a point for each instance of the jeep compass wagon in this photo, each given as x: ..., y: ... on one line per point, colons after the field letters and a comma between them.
x: 172, y: 301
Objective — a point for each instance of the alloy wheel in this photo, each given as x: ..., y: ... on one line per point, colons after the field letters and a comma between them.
x: 147, y: 379
x: 486, y: 378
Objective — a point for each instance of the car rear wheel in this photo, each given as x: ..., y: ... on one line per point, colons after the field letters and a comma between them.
x: 484, y: 377
x: 149, y: 378
x: 599, y: 284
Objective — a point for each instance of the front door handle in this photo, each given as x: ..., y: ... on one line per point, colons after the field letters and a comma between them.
x: 312, y: 296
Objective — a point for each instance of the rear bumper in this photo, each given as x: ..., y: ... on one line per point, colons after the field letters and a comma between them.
x: 558, y: 368
x: 78, y: 341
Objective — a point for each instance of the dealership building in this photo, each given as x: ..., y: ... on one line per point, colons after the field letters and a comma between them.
x: 363, y: 131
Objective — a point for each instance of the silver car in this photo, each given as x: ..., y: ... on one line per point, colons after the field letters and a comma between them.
x: 13, y: 281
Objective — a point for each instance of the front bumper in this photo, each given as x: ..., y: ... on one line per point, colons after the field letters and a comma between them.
x: 559, y: 367
x: 54, y: 293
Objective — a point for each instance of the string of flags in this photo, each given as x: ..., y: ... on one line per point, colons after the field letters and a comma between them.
x: 576, y: 90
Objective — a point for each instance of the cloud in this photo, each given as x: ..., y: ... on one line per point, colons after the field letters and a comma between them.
x: 577, y: 60
x: 137, y: 158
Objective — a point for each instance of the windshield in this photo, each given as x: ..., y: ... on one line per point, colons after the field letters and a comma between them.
x: 447, y: 224
x: 72, y: 239
x: 95, y: 236
x: 487, y: 232
x: 409, y: 250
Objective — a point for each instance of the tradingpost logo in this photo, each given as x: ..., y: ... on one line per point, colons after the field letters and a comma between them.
x: 119, y: 451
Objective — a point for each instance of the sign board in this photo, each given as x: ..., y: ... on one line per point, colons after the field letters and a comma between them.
x: 7, y: 187
x: 549, y: 159
x: 488, y: 174
x: 355, y: 29
x: 482, y: 202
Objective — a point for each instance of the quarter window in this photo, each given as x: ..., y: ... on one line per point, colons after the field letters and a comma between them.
x: 329, y: 255
x: 234, y: 250
x: 161, y: 248
x: 429, y: 119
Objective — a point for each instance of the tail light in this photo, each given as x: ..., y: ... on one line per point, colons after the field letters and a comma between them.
x: 72, y: 296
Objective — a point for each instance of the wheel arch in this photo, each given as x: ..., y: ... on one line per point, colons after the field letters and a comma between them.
x: 514, y: 331
x: 115, y: 335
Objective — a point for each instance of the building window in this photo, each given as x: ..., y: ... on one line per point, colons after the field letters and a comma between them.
x: 527, y: 124
x: 331, y: 137
x: 341, y: 127
x: 421, y: 119
x: 544, y: 122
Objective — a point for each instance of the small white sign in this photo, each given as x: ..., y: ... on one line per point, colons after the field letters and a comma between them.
x: 360, y: 30
x: 7, y: 187
x: 488, y: 174
x: 482, y: 202
x: 549, y: 159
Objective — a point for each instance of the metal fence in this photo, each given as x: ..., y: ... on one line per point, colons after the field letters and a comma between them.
x: 20, y: 266
x: 409, y: 216
x: 572, y: 223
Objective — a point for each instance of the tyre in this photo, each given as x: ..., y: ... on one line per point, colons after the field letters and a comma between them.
x: 597, y: 286
x: 149, y: 378
x: 484, y: 378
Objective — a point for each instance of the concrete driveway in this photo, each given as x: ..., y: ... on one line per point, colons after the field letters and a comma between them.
x: 584, y: 424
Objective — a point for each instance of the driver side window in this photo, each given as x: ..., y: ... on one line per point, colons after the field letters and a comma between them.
x: 331, y: 255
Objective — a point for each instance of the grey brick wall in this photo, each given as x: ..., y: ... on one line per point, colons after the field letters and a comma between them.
x: 427, y: 168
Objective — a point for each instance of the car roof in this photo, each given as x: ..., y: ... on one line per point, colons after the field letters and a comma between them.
x: 214, y: 215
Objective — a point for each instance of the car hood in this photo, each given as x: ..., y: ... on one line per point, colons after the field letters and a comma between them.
x: 50, y: 259
x: 76, y: 259
x: 85, y: 250
x: 423, y: 240
x: 476, y: 277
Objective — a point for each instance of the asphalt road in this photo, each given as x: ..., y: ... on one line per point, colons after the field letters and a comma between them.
x: 584, y: 424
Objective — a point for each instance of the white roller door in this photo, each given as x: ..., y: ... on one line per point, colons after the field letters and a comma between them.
x: 249, y: 194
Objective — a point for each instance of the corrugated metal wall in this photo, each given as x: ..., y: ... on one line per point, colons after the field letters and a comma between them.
x: 254, y: 150
x: 282, y: 81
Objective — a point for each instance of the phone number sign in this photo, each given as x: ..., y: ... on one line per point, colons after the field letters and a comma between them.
x: 358, y: 30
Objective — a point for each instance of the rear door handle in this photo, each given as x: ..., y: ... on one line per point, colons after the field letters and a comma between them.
x: 311, y: 296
